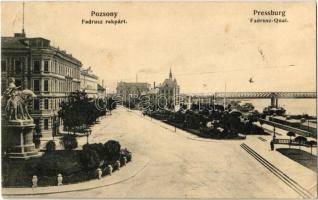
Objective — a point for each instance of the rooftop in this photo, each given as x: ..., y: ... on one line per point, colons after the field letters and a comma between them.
x: 19, y: 41
x: 88, y: 72
x: 135, y: 84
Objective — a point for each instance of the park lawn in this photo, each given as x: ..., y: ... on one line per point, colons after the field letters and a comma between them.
x: 302, y: 157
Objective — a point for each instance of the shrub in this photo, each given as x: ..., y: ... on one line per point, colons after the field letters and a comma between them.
x: 61, y: 161
x: 50, y: 146
x: 69, y: 142
x: 98, y: 147
x: 126, y: 153
x: 112, y: 150
x: 89, y: 159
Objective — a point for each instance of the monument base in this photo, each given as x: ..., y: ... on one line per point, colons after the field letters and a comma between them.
x: 17, y: 139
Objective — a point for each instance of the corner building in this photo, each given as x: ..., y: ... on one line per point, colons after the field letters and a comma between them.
x: 48, y: 71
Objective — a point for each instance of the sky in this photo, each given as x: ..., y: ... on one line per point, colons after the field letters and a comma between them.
x: 206, y: 45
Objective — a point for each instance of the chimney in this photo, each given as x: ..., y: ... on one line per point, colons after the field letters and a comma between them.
x: 154, y: 84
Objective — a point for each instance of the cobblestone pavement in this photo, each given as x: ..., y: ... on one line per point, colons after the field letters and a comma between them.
x: 185, y: 166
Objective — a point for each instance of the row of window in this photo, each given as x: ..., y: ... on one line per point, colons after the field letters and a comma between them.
x: 45, y: 122
x: 56, y: 67
x: 18, y: 66
x: 55, y: 86
x: 49, y: 104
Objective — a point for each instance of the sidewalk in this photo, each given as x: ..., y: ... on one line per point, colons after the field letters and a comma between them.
x: 133, y: 168
x: 304, y: 176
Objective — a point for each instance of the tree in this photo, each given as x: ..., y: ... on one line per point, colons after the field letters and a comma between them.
x: 112, y: 150
x: 300, y: 139
x: 290, y: 134
x: 311, y: 143
x: 79, y: 112
x: 69, y: 142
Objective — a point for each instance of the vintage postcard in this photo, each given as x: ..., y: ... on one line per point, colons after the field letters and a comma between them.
x: 175, y: 100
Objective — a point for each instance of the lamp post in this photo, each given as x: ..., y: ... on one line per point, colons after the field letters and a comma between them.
x: 89, y: 131
x: 54, y: 127
x: 308, y: 124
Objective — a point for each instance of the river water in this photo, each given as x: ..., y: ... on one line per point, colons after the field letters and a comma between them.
x: 292, y: 106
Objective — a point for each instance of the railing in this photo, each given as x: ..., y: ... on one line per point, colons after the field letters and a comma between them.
x: 288, y: 128
x: 263, y: 95
x: 291, y: 142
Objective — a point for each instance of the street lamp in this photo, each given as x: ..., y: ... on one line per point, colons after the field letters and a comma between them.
x: 54, y: 126
x: 88, y: 132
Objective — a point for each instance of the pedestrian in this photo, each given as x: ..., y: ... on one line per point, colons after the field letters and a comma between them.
x: 272, y: 145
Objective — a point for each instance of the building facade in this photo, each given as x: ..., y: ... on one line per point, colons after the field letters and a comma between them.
x: 170, y: 90
x: 128, y: 91
x: 48, y: 71
x: 89, y: 82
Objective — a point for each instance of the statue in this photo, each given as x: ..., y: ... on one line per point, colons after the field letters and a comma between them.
x: 15, y: 102
x: 17, y: 124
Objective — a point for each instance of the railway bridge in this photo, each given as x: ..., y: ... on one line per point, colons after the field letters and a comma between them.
x: 274, y: 96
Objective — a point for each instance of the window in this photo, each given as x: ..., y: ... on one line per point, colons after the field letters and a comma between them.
x: 17, y: 66
x: 46, y: 85
x: 36, y: 85
x: 36, y: 104
x: 46, y: 124
x: 45, y: 43
x: 33, y: 43
x: 46, y: 66
x: 3, y: 66
x: 53, y: 64
x: 53, y: 104
x: 36, y: 66
x: 18, y: 82
x: 36, y: 121
x: 38, y: 43
x: 46, y: 104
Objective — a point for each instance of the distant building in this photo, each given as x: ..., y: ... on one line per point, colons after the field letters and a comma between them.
x: 89, y: 82
x: 101, y: 91
x: 171, y: 90
x: 131, y: 90
x: 50, y: 72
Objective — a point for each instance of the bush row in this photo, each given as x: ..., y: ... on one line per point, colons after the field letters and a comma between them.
x: 75, y: 165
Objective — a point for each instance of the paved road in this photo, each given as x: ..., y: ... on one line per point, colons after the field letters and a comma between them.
x: 181, y: 166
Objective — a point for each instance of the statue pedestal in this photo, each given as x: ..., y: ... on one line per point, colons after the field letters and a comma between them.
x: 17, y: 139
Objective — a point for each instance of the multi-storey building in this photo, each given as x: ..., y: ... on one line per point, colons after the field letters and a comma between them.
x: 89, y: 83
x: 128, y: 91
x: 170, y: 90
x: 50, y: 72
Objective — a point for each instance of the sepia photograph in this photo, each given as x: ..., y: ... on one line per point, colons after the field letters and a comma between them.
x: 158, y: 100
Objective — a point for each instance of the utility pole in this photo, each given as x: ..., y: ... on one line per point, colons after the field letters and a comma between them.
x: 23, y: 19
x: 224, y: 100
x: 175, y: 114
